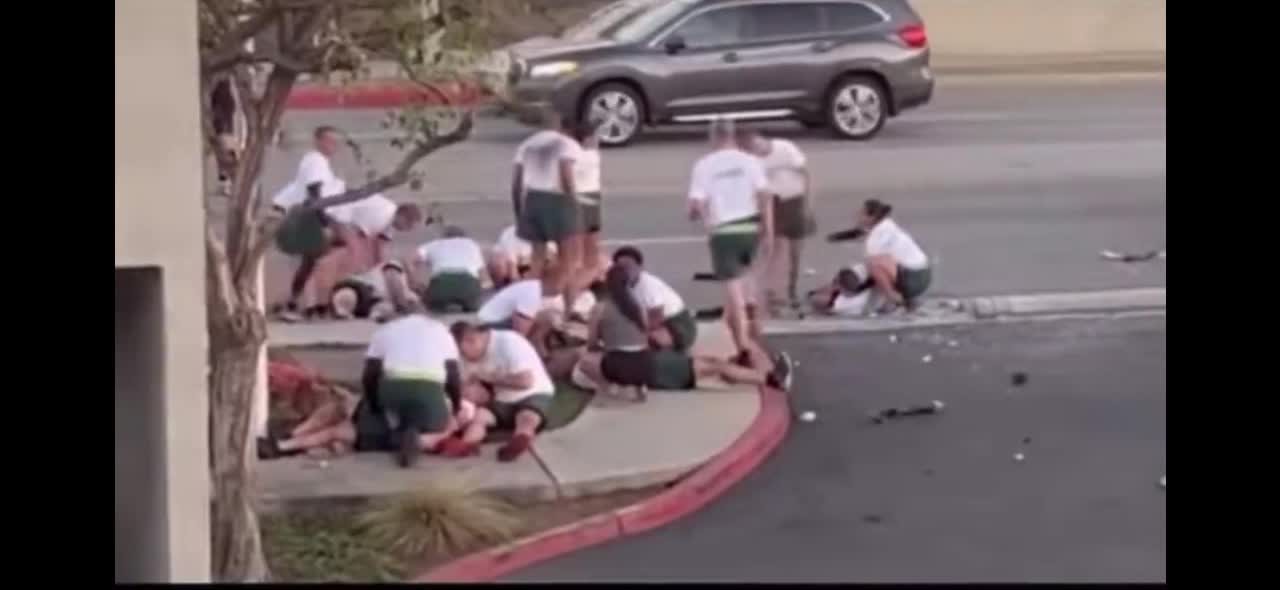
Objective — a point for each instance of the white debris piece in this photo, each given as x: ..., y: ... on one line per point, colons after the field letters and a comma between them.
x: 893, y: 338
x: 952, y: 343
x: 1019, y: 457
x: 808, y: 416
x: 1162, y: 482
x: 926, y: 359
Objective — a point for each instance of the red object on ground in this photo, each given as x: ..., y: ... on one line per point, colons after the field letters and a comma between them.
x: 380, y: 95
x: 705, y: 484
x: 289, y: 379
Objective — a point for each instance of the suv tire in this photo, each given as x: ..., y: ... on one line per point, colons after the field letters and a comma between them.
x: 619, y: 111
x: 857, y: 107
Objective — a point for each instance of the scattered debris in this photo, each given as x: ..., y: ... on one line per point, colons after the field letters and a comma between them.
x: 1162, y: 482
x: 1139, y: 257
x: 1019, y: 457
x: 1018, y: 379
x: 952, y: 344
x: 872, y: 518
x: 926, y: 359
x: 810, y: 271
x: 324, y: 464
x: 893, y: 338
x: 808, y: 416
x: 884, y: 415
x: 1026, y: 440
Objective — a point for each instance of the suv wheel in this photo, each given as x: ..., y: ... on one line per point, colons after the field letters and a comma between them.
x: 857, y: 107
x: 617, y: 111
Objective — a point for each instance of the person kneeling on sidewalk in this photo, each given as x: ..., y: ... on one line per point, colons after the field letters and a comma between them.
x: 507, y: 363
x: 452, y: 267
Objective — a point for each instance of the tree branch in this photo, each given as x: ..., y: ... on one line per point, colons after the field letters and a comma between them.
x: 218, y: 273
x: 230, y: 48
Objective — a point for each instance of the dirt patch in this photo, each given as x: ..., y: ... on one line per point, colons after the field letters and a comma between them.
x: 328, y: 545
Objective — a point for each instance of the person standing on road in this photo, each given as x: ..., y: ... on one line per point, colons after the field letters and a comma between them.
x: 587, y: 180
x: 791, y: 185
x: 898, y: 266
x: 729, y: 194
x: 544, y: 196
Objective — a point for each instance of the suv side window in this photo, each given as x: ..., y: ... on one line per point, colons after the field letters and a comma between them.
x: 785, y: 20
x: 851, y: 16
x: 723, y: 26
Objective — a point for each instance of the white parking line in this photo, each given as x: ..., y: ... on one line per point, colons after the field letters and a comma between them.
x: 654, y: 241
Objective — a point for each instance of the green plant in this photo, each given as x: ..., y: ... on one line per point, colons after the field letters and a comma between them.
x: 443, y: 518
x: 327, y: 546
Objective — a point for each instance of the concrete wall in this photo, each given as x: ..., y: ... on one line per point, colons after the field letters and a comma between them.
x: 162, y: 487
x: 1003, y: 28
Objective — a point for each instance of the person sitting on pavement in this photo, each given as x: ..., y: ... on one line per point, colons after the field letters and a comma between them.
x: 510, y: 258
x: 898, y: 266
x: 412, y: 374
x: 671, y: 323
x: 452, y: 268
x: 619, y: 332
x: 850, y: 294
x: 507, y: 364
x: 377, y: 294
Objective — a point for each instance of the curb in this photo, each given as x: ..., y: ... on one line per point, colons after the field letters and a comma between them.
x: 686, y: 496
x: 1081, y: 302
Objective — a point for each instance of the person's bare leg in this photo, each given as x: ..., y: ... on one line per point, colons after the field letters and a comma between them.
x: 773, y: 273
x: 479, y: 427
x: 341, y: 433
x: 527, y: 423
x: 661, y: 337
x: 538, y: 262
x: 884, y: 272
x: 795, y: 249
x: 735, y: 313
x: 569, y: 266
x: 706, y: 367
x: 325, y: 416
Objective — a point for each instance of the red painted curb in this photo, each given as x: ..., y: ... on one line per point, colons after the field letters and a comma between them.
x: 710, y: 481
x: 379, y: 95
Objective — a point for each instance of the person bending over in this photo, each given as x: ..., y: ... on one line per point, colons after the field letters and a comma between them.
x: 671, y: 323
x: 506, y: 363
x: 452, y: 267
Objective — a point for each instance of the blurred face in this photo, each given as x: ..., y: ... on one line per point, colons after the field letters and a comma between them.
x: 327, y: 143
x: 756, y: 144
x: 406, y: 219
x: 632, y: 267
x: 865, y: 220
x: 473, y: 346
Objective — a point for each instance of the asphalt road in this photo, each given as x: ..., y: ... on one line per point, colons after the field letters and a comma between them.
x: 1013, y: 186
x: 940, y: 498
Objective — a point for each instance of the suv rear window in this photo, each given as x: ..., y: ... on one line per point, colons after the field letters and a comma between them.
x: 849, y: 16
x: 784, y: 20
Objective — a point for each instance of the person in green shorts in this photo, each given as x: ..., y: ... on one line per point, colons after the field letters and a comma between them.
x: 672, y: 324
x: 452, y: 267
x: 545, y: 200
x: 673, y: 370
x: 898, y: 265
x: 791, y: 186
x: 505, y: 363
x: 412, y: 380
x: 729, y: 194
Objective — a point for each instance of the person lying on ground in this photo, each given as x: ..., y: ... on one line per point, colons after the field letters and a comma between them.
x: 619, y: 331
x: 672, y: 370
x: 510, y: 258
x: 505, y: 362
x: 377, y: 294
x: 897, y: 264
x: 451, y: 268
x: 671, y: 324
x: 850, y: 294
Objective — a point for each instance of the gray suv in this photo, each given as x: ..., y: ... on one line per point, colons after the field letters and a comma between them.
x: 847, y: 65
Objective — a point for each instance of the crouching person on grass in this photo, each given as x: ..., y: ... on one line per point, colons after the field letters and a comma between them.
x: 505, y: 363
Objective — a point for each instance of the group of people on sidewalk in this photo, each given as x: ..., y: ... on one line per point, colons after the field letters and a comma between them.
x: 561, y: 308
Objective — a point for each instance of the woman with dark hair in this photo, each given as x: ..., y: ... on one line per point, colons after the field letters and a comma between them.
x: 619, y: 327
x: 898, y: 266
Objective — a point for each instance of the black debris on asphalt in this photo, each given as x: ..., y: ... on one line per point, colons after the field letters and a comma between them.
x: 1018, y: 379
x: 893, y: 413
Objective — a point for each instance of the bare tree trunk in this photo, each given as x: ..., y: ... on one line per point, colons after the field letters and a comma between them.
x: 237, y: 331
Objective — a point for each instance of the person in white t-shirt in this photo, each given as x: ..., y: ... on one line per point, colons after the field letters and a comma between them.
x: 506, y: 364
x: 412, y: 378
x: 730, y: 194
x: 377, y: 294
x: 544, y: 197
x: 671, y: 324
x: 587, y: 179
x: 898, y: 266
x: 308, y: 235
x: 314, y: 170
x: 515, y: 307
x: 510, y: 258
x: 451, y: 268
x: 791, y: 185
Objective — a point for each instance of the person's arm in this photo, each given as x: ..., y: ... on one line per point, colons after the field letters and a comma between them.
x: 453, y: 383
x: 765, y: 201
x: 698, y: 201
x: 504, y: 380
x: 593, y: 327
x: 370, y: 379
x: 517, y: 190
x: 522, y: 324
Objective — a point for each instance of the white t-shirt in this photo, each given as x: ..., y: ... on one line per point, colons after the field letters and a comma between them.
x: 782, y: 166
x: 453, y: 255
x: 540, y: 158
x: 852, y: 305
x: 373, y: 215
x: 314, y: 167
x: 509, y: 353
x: 887, y: 238
x: 376, y: 278
x: 414, y: 346
x: 651, y: 291
x: 586, y: 171
x: 728, y: 181
x: 522, y: 297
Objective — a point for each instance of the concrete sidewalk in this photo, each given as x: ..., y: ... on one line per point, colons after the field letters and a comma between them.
x: 610, y: 447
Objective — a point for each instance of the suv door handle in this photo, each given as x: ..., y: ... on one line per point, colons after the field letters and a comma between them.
x: 731, y: 57
x: 823, y: 46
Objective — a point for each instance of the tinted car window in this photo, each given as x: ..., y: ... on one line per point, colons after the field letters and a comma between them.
x: 716, y: 27
x: 784, y: 20
x: 848, y: 16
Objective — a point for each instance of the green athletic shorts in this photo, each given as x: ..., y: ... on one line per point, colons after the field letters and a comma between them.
x: 302, y: 233
x: 684, y: 330
x: 592, y: 216
x: 419, y: 403
x: 372, y: 431
x: 733, y: 247
x: 791, y: 218
x: 673, y: 371
x: 548, y: 217
x: 506, y: 413
x: 453, y: 289
x: 913, y: 283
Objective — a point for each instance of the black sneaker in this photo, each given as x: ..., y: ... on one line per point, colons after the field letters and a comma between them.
x: 408, y: 451
x: 268, y: 448
x: 782, y: 374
